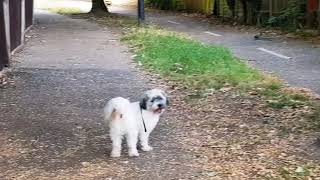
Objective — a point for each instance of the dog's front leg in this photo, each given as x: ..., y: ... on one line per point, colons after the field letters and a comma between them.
x: 116, y: 144
x: 132, y: 139
x: 144, y: 140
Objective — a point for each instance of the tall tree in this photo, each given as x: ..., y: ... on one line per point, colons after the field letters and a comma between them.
x: 232, y: 7
x: 251, y: 10
x: 98, y: 5
x: 216, y: 8
x: 244, y: 10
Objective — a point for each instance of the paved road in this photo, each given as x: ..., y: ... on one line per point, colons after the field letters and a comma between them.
x: 296, y: 62
x: 51, y: 116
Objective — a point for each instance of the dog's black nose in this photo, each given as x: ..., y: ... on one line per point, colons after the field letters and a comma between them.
x: 160, y: 106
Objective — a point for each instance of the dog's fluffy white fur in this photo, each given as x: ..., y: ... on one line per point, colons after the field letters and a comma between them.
x: 126, y: 119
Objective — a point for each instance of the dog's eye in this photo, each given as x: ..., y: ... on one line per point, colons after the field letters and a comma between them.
x: 158, y: 98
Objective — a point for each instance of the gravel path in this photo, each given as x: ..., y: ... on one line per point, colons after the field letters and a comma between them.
x: 50, y: 112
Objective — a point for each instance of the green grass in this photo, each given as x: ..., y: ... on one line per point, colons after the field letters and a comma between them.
x: 195, y: 64
x: 205, y: 67
x: 61, y: 10
x: 300, y: 173
x: 279, y: 99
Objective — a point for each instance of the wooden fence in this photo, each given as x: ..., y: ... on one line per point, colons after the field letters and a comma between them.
x: 29, y: 12
x: 15, y: 17
x: 4, y: 33
x: 208, y: 6
x: 269, y: 8
x: 273, y: 7
x: 205, y: 6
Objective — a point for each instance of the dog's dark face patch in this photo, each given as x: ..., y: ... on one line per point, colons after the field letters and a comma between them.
x: 157, y: 98
x: 143, y: 102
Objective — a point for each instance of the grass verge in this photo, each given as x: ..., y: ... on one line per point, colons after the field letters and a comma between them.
x: 61, y: 10
x: 195, y: 64
x: 205, y: 67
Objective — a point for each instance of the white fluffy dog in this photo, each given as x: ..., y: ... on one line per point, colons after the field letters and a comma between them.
x: 134, y: 120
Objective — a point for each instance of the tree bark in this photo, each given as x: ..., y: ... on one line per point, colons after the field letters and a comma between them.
x: 216, y: 8
x: 232, y: 7
x: 244, y: 10
x: 256, y: 11
x: 98, y: 5
x: 251, y: 11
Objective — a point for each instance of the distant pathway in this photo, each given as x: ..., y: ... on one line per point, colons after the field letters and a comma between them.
x: 297, y: 62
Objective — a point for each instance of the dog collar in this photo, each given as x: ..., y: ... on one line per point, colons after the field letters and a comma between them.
x: 144, y: 124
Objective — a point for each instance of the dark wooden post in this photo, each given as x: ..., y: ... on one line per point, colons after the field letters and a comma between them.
x: 218, y: 7
x: 141, y: 14
x: 15, y: 23
x: 318, y: 16
x: 4, y: 34
x: 312, y: 9
x: 270, y: 8
x: 29, y: 12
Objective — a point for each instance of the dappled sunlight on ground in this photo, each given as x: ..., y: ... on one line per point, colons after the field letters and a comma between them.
x: 82, y: 5
x: 124, y: 2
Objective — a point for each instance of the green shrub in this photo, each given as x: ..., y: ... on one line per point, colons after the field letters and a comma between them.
x: 163, y: 4
x: 292, y: 17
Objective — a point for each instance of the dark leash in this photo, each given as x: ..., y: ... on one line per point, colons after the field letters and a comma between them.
x: 144, y: 124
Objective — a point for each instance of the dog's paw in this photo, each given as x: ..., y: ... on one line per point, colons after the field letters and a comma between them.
x: 147, y: 148
x: 133, y: 153
x: 115, y: 154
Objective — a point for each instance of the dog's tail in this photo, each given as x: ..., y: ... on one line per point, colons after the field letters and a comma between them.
x: 115, y: 109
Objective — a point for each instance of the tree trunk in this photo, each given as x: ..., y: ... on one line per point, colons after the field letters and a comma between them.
x: 216, y: 8
x: 232, y: 7
x: 256, y: 11
x: 251, y: 11
x: 98, y: 5
x: 244, y: 10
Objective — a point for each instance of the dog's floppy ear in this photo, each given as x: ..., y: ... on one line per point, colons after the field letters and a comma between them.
x: 143, y: 101
x: 167, y: 98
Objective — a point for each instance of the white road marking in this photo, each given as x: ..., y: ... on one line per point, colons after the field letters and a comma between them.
x: 274, y: 53
x: 213, y: 34
x: 173, y: 22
